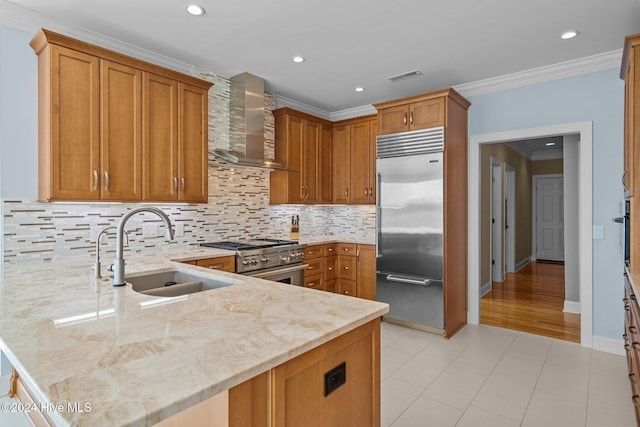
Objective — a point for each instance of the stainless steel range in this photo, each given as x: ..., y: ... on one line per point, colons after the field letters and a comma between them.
x: 270, y: 259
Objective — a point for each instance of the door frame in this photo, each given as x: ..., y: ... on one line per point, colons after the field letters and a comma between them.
x: 534, y: 206
x: 510, y: 215
x: 496, y: 213
x: 585, y: 245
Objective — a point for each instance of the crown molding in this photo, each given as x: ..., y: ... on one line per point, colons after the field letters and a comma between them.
x: 283, y: 101
x: 349, y: 113
x: 29, y: 21
x: 588, y: 64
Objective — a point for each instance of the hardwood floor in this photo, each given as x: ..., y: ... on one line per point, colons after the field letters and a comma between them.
x: 531, y: 300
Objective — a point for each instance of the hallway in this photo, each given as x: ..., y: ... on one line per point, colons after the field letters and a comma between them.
x: 531, y: 300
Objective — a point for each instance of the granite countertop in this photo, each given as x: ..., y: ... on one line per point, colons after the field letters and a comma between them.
x: 137, y: 359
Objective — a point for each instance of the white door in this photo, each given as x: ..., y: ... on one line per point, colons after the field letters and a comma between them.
x: 510, y: 215
x: 550, y: 219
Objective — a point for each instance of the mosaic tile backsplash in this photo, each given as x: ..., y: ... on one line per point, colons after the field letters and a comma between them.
x: 238, y: 208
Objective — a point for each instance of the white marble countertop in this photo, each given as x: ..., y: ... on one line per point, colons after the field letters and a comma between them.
x: 138, y: 359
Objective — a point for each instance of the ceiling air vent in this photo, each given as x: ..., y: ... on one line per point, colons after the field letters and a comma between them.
x: 404, y: 76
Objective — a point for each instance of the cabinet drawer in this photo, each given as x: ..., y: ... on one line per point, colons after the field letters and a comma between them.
x: 313, y: 251
x: 330, y: 267
x: 225, y: 263
x: 330, y: 285
x: 314, y: 269
x: 347, y: 267
x: 314, y: 282
x: 193, y: 262
x: 346, y: 249
x: 346, y: 287
x: 330, y: 249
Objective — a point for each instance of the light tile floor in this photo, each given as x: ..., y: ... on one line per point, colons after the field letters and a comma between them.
x: 488, y: 376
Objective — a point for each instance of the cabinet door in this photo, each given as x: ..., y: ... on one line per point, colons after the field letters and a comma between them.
x: 346, y: 267
x: 330, y: 267
x: 224, y: 263
x: 192, y: 143
x: 324, y: 176
x: 74, y: 142
x: 160, y: 138
x: 360, y: 141
x: 346, y: 287
x: 373, y: 134
x: 340, y: 166
x: 120, y: 131
x: 393, y: 119
x: 426, y: 114
x: 310, y: 160
x: 294, y: 136
x: 366, y: 271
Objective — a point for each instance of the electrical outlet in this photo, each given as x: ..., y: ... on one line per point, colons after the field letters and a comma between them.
x: 179, y: 229
x: 149, y: 230
x: 359, y: 223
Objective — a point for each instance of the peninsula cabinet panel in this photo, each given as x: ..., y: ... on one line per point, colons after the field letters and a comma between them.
x: 115, y: 128
x: 120, y: 132
x: 69, y: 124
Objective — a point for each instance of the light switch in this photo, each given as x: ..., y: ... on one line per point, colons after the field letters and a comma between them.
x: 598, y: 232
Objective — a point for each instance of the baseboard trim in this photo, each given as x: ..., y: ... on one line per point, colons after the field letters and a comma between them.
x: 486, y: 288
x: 608, y: 345
x: 5, y: 385
x: 519, y: 266
x: 571, y: 307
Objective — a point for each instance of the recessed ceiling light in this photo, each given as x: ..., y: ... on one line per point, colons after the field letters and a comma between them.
x: 569, y: 35
x: 549, y: 144
x: 297, y: 59
x: 195, y: 9
x: 359, y: 89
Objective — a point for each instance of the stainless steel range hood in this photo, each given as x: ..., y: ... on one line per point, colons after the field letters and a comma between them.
x: 246, y: 127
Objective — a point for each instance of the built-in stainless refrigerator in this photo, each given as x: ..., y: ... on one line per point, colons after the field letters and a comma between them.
x: 409, y: 226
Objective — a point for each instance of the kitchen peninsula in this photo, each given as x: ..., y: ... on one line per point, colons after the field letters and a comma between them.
x: 97, y: 355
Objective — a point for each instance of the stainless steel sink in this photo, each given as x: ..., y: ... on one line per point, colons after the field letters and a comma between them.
x: 175, y: 283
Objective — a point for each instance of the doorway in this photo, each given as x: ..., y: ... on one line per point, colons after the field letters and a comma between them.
x: 583, y: 130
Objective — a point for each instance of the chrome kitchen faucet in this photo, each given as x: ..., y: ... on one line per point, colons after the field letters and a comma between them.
x: 118, y: 262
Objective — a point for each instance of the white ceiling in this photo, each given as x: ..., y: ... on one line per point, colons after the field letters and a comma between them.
x: 349, y: 43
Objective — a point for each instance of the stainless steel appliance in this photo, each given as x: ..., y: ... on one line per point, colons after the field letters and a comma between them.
x: 269, y: 259
x: 409, y: 226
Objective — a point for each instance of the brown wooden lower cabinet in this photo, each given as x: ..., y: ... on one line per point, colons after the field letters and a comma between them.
x: 632, y: 342
x: 335, y: 384
x: 223, y: 263
x: 344, y: 268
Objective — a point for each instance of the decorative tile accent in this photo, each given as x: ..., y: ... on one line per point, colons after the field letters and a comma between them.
x: 238, y: 208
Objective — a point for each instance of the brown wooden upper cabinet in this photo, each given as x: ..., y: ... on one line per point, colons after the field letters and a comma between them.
x: 410, y: 114
x: 116, y: 128
x: 630, y: 74
x: 354, y: 161
x: 303, y: 147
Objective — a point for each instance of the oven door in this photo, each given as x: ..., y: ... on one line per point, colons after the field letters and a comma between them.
x: 290, y: 274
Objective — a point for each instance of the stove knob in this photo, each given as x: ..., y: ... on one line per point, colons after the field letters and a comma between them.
x: 254, y: 262
x: 285, y: 260
x: 265, y: 260
x: 245, y: 263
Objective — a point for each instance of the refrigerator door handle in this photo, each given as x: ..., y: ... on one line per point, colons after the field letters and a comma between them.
x: 400, y: 279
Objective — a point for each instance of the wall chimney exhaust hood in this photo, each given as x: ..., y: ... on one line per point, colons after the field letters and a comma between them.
x: 246, y: 127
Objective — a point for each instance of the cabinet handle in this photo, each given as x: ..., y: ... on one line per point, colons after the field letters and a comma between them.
x: 411, y: 117
x: 175, y: 185
x: 624, y: 180
x: 330, y: 249
x: 213, y: 267
x: 636, y: 400
x: 366, y: 191
x: 346, y: 193
x: 405, y: 119
x: 106, y: 181
x: 345, y: 249
x: 346, y: 268
x: 182, y: 183
x: 358, y: 255
x: 330, y: 268
x: 95, y: 180
x: 370, y: 191
x: 346, y: 292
